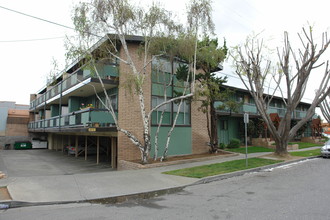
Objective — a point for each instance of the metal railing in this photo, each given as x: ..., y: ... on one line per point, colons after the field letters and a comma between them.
x: 88, y: 117
x: 252, y: 109
x: 64, y: 85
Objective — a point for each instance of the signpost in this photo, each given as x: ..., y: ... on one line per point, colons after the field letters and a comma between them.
x: 246, y: 121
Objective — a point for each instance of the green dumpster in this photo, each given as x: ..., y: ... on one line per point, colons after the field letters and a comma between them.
x: 22, y: 145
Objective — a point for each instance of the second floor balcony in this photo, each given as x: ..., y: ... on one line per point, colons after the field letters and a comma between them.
x: 252, y: 110
x: 81, y: 80
x: 87, y: 119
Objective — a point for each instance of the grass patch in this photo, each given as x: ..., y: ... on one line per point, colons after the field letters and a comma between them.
x: 251, y: 149
x: 303, y: 145
x: 307, y: 153
x: 221, y: 168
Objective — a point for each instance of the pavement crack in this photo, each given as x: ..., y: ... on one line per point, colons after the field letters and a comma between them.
x: 78, y: 188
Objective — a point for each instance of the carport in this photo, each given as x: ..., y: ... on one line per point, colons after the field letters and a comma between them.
x: 100, y: 148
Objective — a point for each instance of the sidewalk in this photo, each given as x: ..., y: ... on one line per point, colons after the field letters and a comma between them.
x: 57, y: 189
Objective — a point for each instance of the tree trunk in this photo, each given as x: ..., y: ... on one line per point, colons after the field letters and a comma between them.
x: 281, y: 148
x: 214, y: 130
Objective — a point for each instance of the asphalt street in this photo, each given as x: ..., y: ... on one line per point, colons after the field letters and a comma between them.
x: 296, y: 191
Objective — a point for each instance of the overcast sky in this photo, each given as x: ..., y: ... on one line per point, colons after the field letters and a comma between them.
x: 28, y: 46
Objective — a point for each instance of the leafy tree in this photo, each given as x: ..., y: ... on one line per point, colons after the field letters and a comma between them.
x: 208, y: 58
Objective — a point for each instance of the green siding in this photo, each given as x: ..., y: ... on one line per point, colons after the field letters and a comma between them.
x: 110, y: 70
x: 180, y: 143
x: 54, y: 110
x: 75, y: 103
x: 101, y: 117
x: 228, y: 128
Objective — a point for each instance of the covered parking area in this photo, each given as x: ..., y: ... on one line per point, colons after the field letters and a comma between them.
x: 97, y: 147
x: 43, y: 162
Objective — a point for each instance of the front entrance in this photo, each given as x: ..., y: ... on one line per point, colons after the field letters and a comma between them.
x: 223, y: 133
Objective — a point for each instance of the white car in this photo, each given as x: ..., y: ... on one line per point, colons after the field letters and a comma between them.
x: 326, y: 135
x: 325, y: 150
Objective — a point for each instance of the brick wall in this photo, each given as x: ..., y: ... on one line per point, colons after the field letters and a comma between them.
x: 199, y: 129
x: 129, y: 114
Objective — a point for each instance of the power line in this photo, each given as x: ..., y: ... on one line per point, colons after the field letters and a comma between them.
x: 27, y: 40
x: 37, y: 18
x: 41, y: 19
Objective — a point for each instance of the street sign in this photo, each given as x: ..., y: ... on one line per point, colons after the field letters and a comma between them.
x: 246, y: 121
x: 246, y: 118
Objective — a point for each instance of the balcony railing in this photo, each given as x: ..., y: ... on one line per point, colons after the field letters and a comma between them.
x: 88, y: 117
x: 252, y: 109
x: 69, y: 82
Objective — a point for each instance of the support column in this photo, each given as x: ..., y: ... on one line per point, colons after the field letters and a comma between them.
x: 56, y: 142
x: 97, y: 150
x: 76, y: 145
x: 62, y: 143
x: 86, y: 147
x: 113, y: 152
x: 50, y: 141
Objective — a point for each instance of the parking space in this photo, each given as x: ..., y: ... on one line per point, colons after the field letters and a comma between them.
x: 22, y: 163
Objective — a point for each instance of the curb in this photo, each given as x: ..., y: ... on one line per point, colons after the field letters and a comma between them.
x: 242, y: 172
x: 107, y: 200
x: 149, y: 194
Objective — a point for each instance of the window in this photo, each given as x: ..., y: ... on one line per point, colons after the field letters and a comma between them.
x: 168, y: 115
x: 113, y: 100
x: 157, y: 114
x: 184, y: 113
x: 164, y: 80
x: 251, y: 100
x: 239, y: 98
x: 223, y: 125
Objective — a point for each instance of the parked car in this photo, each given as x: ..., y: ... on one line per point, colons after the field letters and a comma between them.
x: 326, y: 135
x: 325, y: 150
x: 81, y: 149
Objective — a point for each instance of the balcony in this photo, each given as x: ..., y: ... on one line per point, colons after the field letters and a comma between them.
x: 299, y: 114
x: 83, y: 119
x: 252, y: 109
x: 78, y: 80
x: 245, y: 108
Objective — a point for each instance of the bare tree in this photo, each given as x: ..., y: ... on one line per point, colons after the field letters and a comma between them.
x: 121, y: 18
x: 253, y: 69
x: 325, y: 108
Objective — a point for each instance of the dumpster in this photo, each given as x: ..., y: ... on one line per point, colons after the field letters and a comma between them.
x: 22, y: 145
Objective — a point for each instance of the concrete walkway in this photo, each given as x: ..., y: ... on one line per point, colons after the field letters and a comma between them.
x: 80, y: 187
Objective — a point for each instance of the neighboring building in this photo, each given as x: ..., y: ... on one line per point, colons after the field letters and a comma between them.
x: 14, y: 119
x: 326, y: 128
x: 231, y: 124
x: 60, y: 113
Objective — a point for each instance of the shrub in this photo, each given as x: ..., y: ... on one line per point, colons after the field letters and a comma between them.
x: 222, y: 146
x: 234, y: 143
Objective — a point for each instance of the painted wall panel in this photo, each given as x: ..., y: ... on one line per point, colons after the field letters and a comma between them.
x: 180, y: 144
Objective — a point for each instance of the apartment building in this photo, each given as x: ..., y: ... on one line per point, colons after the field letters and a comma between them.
x: 68, y: 112
x: 231, y: 123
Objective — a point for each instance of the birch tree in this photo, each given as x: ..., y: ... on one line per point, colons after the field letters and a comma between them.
x: 121, y: 18
x: 295, y: 68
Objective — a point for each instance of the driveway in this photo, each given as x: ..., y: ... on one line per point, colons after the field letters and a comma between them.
x: 43, y: 162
